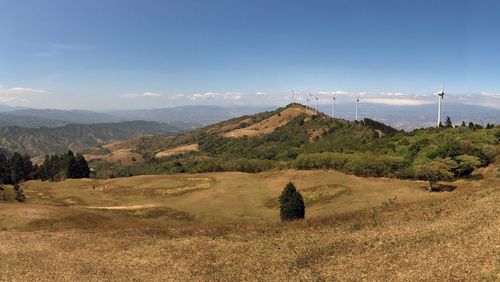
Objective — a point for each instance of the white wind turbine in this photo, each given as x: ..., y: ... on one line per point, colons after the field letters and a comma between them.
x: 333, y: 106
x: 307, y: 101
x: 357, y: 102
x: 311, y: 100
x: 317, y: 104
x: 440, y: 95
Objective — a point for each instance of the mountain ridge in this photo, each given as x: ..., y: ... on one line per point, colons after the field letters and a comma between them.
x: 46, y: 140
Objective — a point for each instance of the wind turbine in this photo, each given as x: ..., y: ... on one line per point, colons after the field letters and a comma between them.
x: 317, y: 104
x: 333, y: 106
x: 293, y: 96
x: 357, y: 102
x: 307, y: 103
x: 440, y: 95
x: 310, y: 99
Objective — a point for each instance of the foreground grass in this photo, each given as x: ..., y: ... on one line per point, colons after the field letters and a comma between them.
x: 441, y: 238
x: 230, y: 196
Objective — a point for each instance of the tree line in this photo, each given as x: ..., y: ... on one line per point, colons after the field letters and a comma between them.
x: 19, y: 168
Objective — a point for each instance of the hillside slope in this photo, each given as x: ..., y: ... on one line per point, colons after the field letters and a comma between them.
x: 294, y: 137
x: 40, y: 141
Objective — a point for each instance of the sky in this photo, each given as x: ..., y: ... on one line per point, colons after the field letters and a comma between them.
x: 123, y: 54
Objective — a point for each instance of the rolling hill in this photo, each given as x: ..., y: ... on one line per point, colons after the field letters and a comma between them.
x: 293, y: 137
x: 44, y: 140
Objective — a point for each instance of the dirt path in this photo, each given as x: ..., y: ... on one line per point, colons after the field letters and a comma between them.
x: 131, y: 207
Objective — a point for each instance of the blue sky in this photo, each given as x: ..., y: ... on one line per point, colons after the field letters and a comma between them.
x: 107, y: 54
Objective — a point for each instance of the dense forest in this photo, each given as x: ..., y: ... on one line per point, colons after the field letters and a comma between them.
x: 19, y: 168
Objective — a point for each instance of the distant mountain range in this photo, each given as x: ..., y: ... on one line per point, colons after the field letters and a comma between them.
x: 45, y: 140
x: 194, y: 115
x: 42, y: 131
x: 187, y: 117
x: 48, y: 131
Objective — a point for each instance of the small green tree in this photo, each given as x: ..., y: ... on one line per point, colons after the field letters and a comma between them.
x: 434, y: 171
x: 291, y: 204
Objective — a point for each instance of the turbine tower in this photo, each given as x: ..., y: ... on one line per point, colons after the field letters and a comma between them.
x: 317, y: 104
x: 307, y: 103
x: 440, y: 95
x: 293, y: 96
x: 357, y: 102
x: 309, y: 99
x: 333, y: 106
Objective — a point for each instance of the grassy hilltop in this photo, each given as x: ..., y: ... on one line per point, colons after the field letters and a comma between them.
x: 294, y: 137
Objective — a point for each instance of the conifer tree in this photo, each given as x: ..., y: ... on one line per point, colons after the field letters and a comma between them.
x: 72, y: 169
x: 83, y: 166
x: 291, y: 204
x: 4, y: 170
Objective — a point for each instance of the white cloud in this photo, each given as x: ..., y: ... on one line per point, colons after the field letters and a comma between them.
x: 485, y: 99
x: 232, y: 96
x: 21, y: 90
x: 150, y: 94
x: 325, y: 97
x: 12, y: 99
x: 396, y: 101
x: 493, y: 95
x: 177, y: 97
x: 18, y: 94
x: 204, y: 96
x: 135, y: 95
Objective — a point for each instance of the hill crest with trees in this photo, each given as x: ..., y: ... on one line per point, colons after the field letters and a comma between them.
x: 308, y: 141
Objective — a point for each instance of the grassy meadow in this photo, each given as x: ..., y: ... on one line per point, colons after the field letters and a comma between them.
x: 225, y: 226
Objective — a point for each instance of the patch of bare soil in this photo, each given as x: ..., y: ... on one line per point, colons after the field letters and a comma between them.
x: 177, y: 150
x: 270, y: 124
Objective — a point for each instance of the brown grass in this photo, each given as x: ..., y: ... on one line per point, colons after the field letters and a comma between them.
x: 115, y: 146
x: 270, y: 124
x: 123, y: 156
x: 177, y: 151
x: 450, y: 236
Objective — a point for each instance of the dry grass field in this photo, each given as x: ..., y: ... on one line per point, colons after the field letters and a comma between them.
x: 269, y: 124
x: 224, y: 226
x: 177, y: 150
x: 122, y: 156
